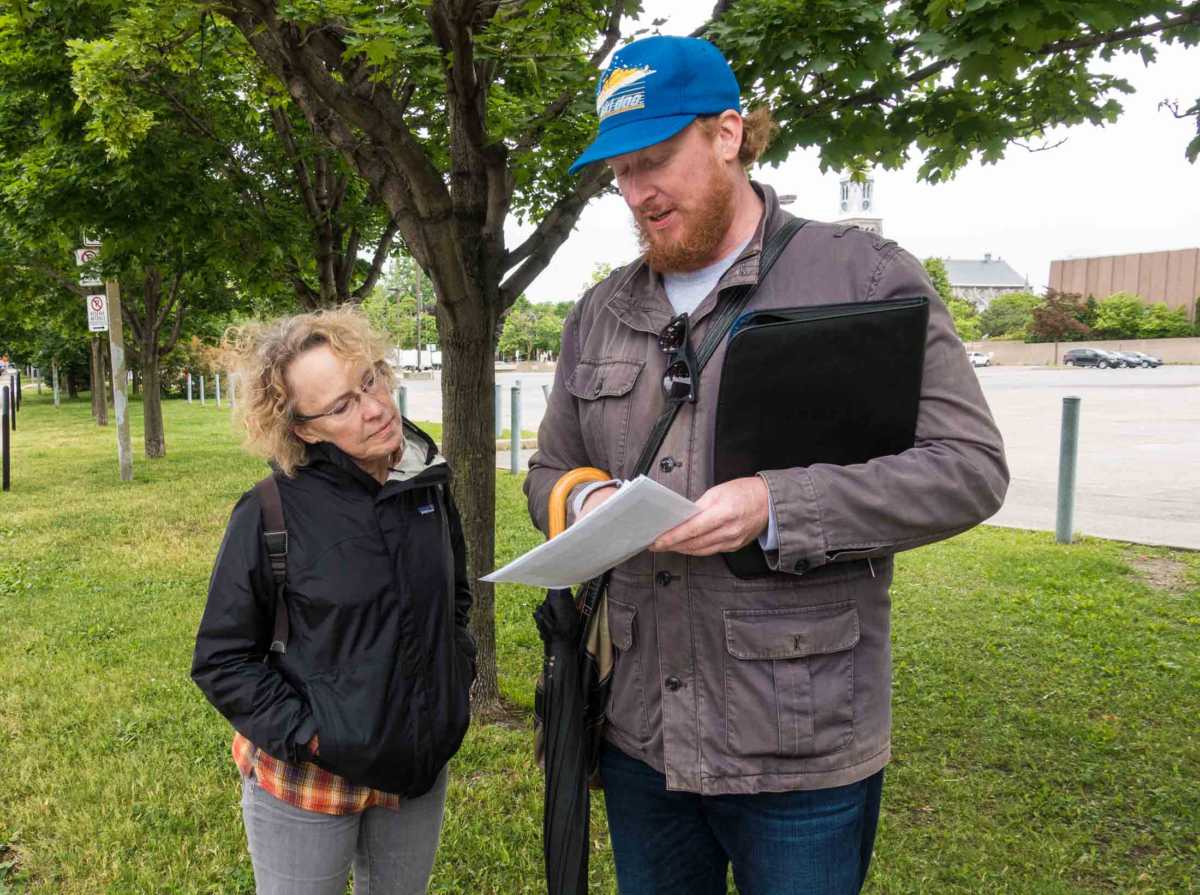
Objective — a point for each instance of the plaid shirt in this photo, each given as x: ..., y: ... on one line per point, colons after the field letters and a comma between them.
x: 307, y: 786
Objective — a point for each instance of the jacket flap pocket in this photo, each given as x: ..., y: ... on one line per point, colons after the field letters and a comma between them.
x: 620, y: 624
x: 791, y: 633
x: 594, y: 379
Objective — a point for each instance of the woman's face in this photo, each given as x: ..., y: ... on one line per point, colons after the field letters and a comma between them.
x: 346, y: 404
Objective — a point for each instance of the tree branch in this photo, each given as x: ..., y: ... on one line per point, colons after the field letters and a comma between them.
x: 537, y: 127
x: 535, y: 253
x: 382, y: 250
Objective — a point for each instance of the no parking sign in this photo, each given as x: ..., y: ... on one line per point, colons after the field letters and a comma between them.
x: 97, y: 308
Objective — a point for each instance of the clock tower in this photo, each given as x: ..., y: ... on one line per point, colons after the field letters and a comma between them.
x: 857, y: 205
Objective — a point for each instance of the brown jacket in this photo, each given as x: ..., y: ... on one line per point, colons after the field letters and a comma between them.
x: 781, y: 683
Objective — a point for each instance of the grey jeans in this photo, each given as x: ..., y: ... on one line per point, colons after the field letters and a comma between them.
x: 298, y: 852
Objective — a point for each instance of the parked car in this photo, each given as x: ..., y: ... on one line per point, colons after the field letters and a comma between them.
x: 979, y: 359
x: 1091, y: 357
x: 1141, y: 359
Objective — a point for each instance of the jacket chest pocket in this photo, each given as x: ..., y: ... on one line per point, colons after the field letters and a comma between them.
x: 603, y: 389
x: 789, y: 679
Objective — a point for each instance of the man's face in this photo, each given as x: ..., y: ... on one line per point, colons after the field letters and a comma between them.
x: 680, y: 192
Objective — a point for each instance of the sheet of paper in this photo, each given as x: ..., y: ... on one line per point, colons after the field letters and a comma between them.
x: 623, y: 526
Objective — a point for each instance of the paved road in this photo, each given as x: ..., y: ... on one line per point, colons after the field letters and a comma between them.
x: 1138, y: 477
x: 1139, y: 449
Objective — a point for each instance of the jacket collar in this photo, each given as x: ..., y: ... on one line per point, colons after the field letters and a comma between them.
x: 420, y: 463
x: 640, y: 301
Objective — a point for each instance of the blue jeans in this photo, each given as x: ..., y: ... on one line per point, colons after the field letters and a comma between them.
x: 815, y: 842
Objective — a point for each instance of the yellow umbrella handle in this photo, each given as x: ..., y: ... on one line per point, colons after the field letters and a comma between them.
x: 562, y: 491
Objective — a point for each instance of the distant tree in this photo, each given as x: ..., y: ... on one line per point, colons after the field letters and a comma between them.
x: 1160, y: 322
x: 1059, y: 319
x: 964, y: 314
x: 392, y: 306
x: 1008, y: 316
x: 1119, y: 316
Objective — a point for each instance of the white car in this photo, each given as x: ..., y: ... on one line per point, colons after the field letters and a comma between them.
x: 979, y: 359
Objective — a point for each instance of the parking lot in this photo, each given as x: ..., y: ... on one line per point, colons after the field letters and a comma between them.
x: 1139, y: 449
x: 1138, y: 477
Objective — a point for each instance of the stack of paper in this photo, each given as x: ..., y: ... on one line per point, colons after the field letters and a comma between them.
x: 623, y: 526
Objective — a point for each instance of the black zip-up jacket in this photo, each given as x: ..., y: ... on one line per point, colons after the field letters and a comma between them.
x: 379, y: 660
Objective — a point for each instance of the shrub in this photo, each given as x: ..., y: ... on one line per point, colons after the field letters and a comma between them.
x: 1159, y: 322
x: 1008, y: 316
x: 1060, y: 318
x: 1120, y: 316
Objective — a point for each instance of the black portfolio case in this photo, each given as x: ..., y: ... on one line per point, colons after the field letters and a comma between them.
x: 836, y: 384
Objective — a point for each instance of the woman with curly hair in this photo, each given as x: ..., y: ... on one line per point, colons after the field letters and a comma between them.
x: 345, y: 668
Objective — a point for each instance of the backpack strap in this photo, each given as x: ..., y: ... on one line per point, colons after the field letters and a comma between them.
x: 276, y: 536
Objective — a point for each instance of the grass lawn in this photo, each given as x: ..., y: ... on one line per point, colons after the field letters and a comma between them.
x: 1046, y: 700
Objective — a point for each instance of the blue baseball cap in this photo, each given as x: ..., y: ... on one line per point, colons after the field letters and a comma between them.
x: 653, y: 89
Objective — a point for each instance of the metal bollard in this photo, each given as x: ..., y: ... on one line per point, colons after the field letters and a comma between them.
x: 10, y: 402
x: 20, y: 393
x: 189, y: 375
x: 5, y: 477
x: 201, y: 391
x: 516, y: 428
x: 233, y: 391
x: 499, y: 412
x: 403, y: 402
x: 1068, y: 451
x: 217, y: 380
x: 546, y: 392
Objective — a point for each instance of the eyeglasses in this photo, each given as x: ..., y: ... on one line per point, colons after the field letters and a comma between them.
x: 373, y: 383
x: 680, y: 380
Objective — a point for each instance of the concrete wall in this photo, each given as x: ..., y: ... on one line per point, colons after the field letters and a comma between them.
x: 1170, y: 277
x: 1172, y: 351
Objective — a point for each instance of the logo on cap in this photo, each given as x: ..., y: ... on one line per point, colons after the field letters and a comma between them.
x: 622, y: 90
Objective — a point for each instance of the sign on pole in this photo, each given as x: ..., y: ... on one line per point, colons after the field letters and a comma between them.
x: 97, y: 311
x: 86, y: 256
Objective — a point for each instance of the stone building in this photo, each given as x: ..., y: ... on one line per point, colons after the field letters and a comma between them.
x: 981, y: 280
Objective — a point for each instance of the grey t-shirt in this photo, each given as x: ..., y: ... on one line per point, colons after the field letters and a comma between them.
x: 686, y: 290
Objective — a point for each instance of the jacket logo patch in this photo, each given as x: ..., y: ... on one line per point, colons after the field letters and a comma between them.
x: 425, y: 509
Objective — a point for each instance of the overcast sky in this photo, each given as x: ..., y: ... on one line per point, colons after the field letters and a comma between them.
x: 1123, y: 188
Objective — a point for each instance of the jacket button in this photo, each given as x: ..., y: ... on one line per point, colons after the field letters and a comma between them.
x: 801, y: 565
x: 664, y: 578
x: 666, y: 464
x: 673, y: 683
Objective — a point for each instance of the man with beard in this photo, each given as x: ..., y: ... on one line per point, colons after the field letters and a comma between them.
x: 749, y: 720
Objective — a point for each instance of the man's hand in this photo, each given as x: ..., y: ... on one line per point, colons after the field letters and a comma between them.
x: 731, y: 516
x: 594, y: 500
x: 314, y: 746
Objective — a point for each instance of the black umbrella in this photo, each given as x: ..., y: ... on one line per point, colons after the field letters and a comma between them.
x: 562, y: 707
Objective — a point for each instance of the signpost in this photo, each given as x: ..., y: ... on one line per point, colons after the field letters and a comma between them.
x: 116, y: 345
x: 104, y: 313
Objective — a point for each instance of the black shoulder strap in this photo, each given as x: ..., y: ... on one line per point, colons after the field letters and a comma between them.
x: 734, y: 303
x: 275, y: 534
x: 729, y: 311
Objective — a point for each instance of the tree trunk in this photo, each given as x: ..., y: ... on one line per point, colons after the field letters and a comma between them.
x: 99, y: 404
x: 155, y: 437
x: 72, y: 385
x: 469, y: 437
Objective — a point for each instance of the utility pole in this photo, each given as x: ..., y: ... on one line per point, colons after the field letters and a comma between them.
x: 116, y: 344
x: 417, y: 286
